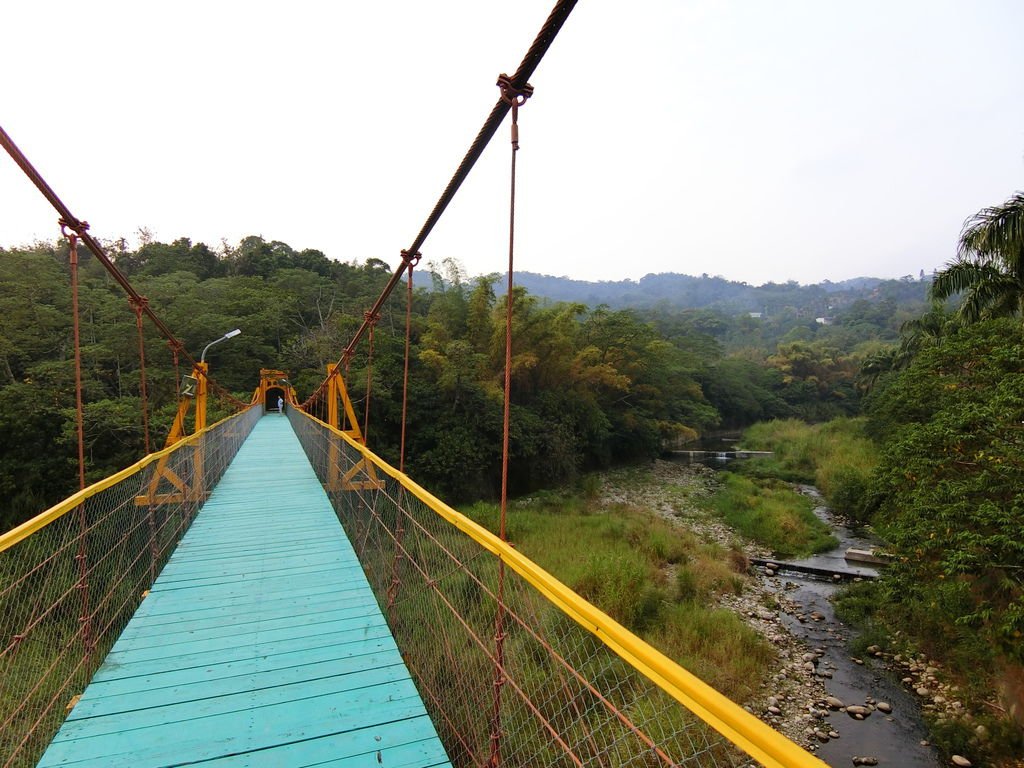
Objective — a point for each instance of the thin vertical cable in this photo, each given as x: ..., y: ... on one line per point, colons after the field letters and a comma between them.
x: 369, y: 380
x: 138, y: 306
x: 342, y: 411
x: 81, y: 555
x: 516, y: 97
x: 79, y: 413
x: 412, y: 260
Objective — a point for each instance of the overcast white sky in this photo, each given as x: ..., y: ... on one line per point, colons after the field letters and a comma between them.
x: 754, y: 140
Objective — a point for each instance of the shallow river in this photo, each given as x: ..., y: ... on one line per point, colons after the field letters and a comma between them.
x: 893, y: 739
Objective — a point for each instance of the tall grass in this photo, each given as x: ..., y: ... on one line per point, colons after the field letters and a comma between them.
x: 771, y: 513
x: 837, y: 457
x: 654, y: 578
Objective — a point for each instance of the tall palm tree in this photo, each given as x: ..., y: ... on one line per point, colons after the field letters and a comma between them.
x: 989, y: 265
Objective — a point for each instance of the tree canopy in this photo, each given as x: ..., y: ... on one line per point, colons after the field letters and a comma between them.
x: 591, y: 385
x: 947, y: 492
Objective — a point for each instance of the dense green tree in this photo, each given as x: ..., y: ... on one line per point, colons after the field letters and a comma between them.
x: 590, y: 386
x: 744, y: 392
x: 36, y: 469
x: 948, y: 489
x: 155, y: 258
x: 819, y: 379
x: 34, y: 305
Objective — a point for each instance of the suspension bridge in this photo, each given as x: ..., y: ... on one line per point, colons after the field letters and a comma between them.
x: 267, y: 591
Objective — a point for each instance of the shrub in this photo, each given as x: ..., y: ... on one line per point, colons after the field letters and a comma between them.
x: 686, y: 585
x: 772, y: 514
x: 623, y: 587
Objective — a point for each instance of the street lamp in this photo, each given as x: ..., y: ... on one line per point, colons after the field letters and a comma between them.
x: 225, y: 337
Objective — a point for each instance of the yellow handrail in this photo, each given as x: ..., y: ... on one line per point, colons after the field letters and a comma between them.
x: 750, y: 734
x: 61, y: 508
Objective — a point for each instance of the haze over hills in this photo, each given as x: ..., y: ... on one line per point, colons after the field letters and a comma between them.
x: 678, y: 291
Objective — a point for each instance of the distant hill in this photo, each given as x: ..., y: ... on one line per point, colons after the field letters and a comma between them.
x: 677, y: 291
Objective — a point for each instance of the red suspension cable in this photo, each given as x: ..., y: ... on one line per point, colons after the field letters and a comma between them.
x: 515, y: 97
x: 138, y: 306
x: 81, y: 556
x: 79, y: 413
x: 412, y: 261
x: 519, y: 80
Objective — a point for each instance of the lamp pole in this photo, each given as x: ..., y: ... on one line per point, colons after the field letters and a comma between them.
x: 201, y: 369
x: 225, y: 337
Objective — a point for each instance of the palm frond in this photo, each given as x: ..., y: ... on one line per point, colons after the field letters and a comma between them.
x: 996, y: 234
x: 960, y: 275
x: 988, y: 290
x: 997, y: 296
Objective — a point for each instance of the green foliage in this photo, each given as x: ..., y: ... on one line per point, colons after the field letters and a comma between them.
x: 947, y: 493
x: 858, y: 603
x: 590, y: 386
x: 744, y: 391
x: 687, y: 587
x: 837, y: 457
x: 623, y: 586
x: 771, y: 513
x: 1004, y: 742
x: 628, y: 555
x: 793, y: 450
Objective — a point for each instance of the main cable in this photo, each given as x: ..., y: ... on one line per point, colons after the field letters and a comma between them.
x: 518, y: 82
x: 81, y: 228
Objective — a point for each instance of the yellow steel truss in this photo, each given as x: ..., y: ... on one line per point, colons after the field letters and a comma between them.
x: 337, y: 480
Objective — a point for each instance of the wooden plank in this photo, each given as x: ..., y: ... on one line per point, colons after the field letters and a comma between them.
x: 285, y: 625
x: 199, y: 599
x: 349, y: 691
x: 169, y: 654
x: 114, y: 670
x: 261, y: 643
x: 177, y: 686
x: 355, y: 749
x: 175, y: 743
x: 238, y: 615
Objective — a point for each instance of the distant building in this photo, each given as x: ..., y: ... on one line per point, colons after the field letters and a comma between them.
x: 755, y: 315
x: 823, y: 320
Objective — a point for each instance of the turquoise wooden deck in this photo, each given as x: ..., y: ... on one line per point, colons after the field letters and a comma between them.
x: 259, y: 645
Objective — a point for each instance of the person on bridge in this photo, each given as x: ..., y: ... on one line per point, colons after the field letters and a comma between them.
x: 280, y: 405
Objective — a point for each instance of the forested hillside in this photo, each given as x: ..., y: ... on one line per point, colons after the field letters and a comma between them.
x: 676, y: 291
x: 592, y: 385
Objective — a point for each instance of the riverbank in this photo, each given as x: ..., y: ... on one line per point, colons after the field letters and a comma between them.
x: 716, y: 617
x: 811, y: 663
x: 660, y: 560
x: 955, y: 671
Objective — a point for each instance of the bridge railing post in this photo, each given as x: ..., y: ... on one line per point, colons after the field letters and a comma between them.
x: 333, y: 450
x: 198, y: 479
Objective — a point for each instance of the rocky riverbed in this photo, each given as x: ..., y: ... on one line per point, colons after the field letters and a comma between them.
x: 848, y: 710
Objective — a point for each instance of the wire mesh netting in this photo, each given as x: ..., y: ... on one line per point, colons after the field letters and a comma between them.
x: 68, y: 589
x: 508, y: 677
